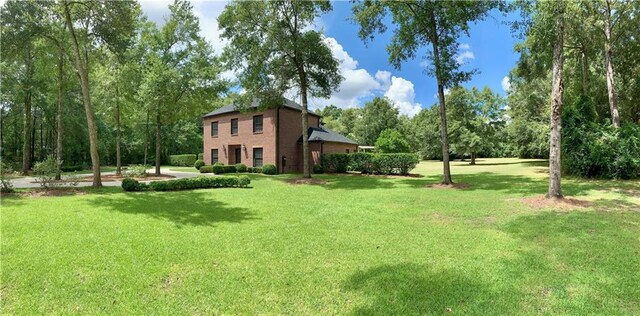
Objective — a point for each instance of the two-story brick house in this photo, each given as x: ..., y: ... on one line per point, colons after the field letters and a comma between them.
x: 273, y: 136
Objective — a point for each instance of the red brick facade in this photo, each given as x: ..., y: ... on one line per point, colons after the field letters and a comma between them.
x: 281, y: 130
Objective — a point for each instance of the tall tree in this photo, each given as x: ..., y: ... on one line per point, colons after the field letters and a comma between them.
x: 89, y: 23
x: 377, y: 115
x: 425, y: 23
x: 557, y: 89
x: 181, y: 75
x: 274, y: 50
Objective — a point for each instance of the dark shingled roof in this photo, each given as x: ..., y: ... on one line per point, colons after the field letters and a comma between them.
x: 232, y: 108
x: 324, y: 134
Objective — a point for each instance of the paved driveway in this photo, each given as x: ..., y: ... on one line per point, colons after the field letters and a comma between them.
x: 29, y: 182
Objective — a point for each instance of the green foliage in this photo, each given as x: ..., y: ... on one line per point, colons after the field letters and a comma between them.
x: 318, y: 169
x: 45, y: 172
x: 602, y: 151
x: 130, y: 185
x: 335, y: 162
x: 184, y: 160
x: 206, y: 169
x: 254, y: 169
x: 198, y: 164
x: 269, y: 169
x: 378, y: 115
x: 200, y: 182
x: 5, y: 184
x: 361, y: 162
x: 219, y: 168
x: 136, y: 171
x: 391, y: 141
x: 240, y: 167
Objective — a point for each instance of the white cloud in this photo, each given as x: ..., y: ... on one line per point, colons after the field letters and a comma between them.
x: 464, y: 54
x: 384, y: 77
x: 506, y: 84
x: 402, y: 93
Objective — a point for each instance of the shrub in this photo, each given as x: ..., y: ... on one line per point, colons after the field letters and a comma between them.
x: 318, y: 169
x: 382, y: 164
x: 206, y: 169
x: 244, y: 181
x: 45, y: 172
x: 241, y: 167
x: 392, y: 141
x: 199, y: 163
x: 72, y: 168
x: 136, y: 171
x: 269, y: 169
x: 336, y: 162
x: 254, y: 169
x: 200, y: 182
x: 361, y: 162
x: 406, y: 162
x: 200, y: 156
x: 130, y: 184
x: 5, y: 184
x: 186, y: 160
x: 601, y: 151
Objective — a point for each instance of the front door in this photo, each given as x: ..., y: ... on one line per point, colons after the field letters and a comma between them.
x: 238, y: 154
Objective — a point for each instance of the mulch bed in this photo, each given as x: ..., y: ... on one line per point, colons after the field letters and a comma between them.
x: 113, y: 178
x: 46, y: 193
x: 299, y: 181
x: 448, y: 186
x: 564, y: 204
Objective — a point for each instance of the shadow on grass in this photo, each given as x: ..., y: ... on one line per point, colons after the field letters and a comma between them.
x: 413, y: 289
x: 195, y: 208
x: 590, y: 257
x: 528, y: 163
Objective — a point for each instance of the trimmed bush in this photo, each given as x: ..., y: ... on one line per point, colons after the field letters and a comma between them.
x: 198, y: 164
x: 361, y: 162
x: 269, y: 169
x: 200, y: 182
x: 186, y: 160
x: 241, y: 167
x: 254, y: 169
x: 130, y: 185
x: 337, y: 162
x: 206, y: 169
x: 219, y: 168
x: 405, y: 162
x: 318, y: 169
x: 72, y: 168
x: 200, y: 156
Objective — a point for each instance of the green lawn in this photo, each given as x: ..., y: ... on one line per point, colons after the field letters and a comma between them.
x: 357, y: 245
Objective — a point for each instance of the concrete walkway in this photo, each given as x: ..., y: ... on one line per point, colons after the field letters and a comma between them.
x: 29, y: 182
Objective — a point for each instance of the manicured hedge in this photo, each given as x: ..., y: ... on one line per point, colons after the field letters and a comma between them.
x: 377, y: 163
x: 72, y: 168
x: 206, y: 169
x: 200, y: 156
x: 187, y: 160
x: 269, y: 169
x: 198, y: 164
x: 336, y: 162
x: 240, y: 167
x: 254, y: 169
x: 200, y: 182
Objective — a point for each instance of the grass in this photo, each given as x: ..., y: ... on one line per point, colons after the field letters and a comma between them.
x: 357, y: 245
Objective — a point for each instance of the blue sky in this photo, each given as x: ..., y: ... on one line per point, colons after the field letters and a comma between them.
x: 365, y: 67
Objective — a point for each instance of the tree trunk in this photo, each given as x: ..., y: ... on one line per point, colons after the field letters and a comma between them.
x: 118, y: 132
x: 305, y: 127
x: 146, y: 140
x: 473, y: 159
x: 446, y: 169
x: 59, y: 118
x: 556, y: 106
x: 82, y: 64
x: 158, y: 140
x: 26, y: 145
x: 585, y: 72
x: 608, y: 56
